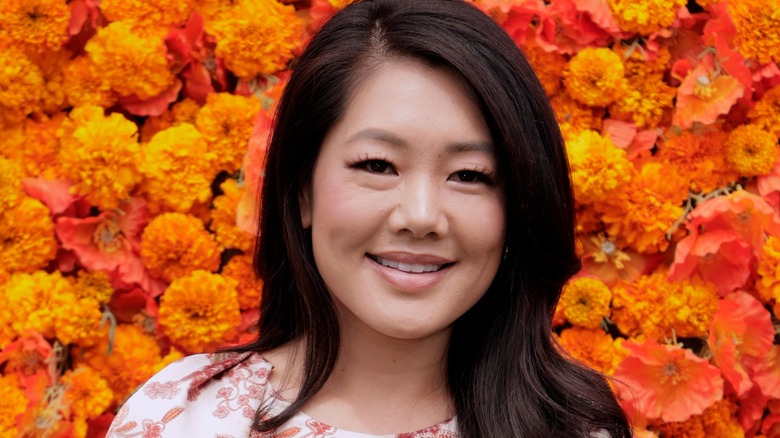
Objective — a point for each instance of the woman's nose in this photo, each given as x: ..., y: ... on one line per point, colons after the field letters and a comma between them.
x: 419, y: 209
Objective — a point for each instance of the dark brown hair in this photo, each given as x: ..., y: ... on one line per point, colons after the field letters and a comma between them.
x: 506, y: 377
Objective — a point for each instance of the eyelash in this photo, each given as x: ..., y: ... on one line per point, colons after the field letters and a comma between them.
x: 479, y: 174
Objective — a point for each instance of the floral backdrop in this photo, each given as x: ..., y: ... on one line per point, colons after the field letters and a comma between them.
x: 132, y: 136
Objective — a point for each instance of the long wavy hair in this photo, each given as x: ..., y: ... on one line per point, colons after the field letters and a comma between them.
x: 504, y: 372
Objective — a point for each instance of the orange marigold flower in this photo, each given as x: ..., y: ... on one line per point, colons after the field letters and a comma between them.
x: 741, y: 328
x: 667, y: 382
x: 148, y: 13
x: 758, y: 29
x: 702, y: 97
x: 598, y: 167
x: 593, y: 347
x: 768, y: 284
x: 32, y: 300
x: 83, y: 84
x: 585, y: 302
x: 718, y: 420
x: 13, y: 403
x: 185, y: 111
x: 34, y: 145
x: 21, y: 85
x: 86, y: 392
x: 223, y: 218
x: 766, y: 113
x: 200, y: 311
x: 645, y: 16
x: 548, y: 66
x: 171, y: 255
x: 35, y: 25
x: 27, y: 238
x: 52, y: 94
x: 641, y: 215
x: 130, y: 362
x: 77, y: 320
x: 98, y: 154
x: 657, y: 308
x: 128, y: 63
x: 226, y: 122
x: 750, y: 150
x: 10, y: 184
x: 698, y: 157
x: 178, y: 168
x: 250, y: 286
x: 573, y: 117
x: 646, y: 100
x: 94, y: 285
x: 595, y: 77
x: 252, y: 46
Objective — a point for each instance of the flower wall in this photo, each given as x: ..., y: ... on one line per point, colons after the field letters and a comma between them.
x: 131, y: 149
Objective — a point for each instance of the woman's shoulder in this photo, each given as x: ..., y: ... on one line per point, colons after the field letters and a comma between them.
x: 200, y: 395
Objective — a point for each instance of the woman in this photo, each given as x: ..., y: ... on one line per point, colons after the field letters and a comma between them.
x: 417, y: 228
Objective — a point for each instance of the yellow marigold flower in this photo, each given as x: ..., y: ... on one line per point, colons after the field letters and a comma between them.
x: 585, y: 301
x: 659, y: 309
x: 10, y: 184
x: 646, y: 100
x: 35, y: 24
x: 76, y: 320
x: 758, y: 29
x: 573, y: 117
x: 223, y: 218
x: 645, y: 16
x: 598, y: 167
x: 178, y: 168
x: 98, y: 154
x: 594, y: 348
x: 643, y: 212
x: 750, y: 150
x: 94, y: 285
x: 185, y: 111
x: 32, y: 300
x: 250, y: 286
x: 200, y: 311
x: 638, y: 62
x: 256, y: 37
x: 718, y: 420
x: 227, y: 122
x: 128, y: 63
x: 174, y: 245
x: 766, y: 113
x: 27, y: 238
x: 595, y: 77
x: 83, y: 84
x: 13, y: 403
x: 87, y: 393
x: 21, y: 84
x: 768, y: 284
x: 130, y: 362
x: 148, y: 13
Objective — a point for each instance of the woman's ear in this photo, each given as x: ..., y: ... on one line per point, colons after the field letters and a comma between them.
x: 304, y: 200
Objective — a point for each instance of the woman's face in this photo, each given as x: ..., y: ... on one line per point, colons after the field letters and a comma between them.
x: 406, y: 214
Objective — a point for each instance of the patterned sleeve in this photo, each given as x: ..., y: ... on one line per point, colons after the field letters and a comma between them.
x: 200, y: 395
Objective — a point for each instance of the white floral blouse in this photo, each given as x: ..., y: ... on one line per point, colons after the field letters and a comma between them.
x: 216, y: 395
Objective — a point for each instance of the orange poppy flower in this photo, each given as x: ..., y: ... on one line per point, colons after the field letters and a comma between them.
x: 741, y: 328
x: 702, y: 97
x: 766, y: 371
x: 667, y: 382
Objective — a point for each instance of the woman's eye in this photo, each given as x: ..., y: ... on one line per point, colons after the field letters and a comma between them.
x: 377, y: 166
x: 470, y: 176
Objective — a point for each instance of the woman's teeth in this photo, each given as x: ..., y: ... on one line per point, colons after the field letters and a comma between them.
x: 407, y: 267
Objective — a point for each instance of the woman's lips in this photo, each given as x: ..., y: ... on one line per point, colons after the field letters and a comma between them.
x: 410, y: 272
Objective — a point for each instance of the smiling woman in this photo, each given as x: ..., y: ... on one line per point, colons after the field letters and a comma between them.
x: 416, y: 231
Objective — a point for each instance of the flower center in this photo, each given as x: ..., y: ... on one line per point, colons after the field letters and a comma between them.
x: 107, y: 236
x: 703, y: 88
x: 608, y: 247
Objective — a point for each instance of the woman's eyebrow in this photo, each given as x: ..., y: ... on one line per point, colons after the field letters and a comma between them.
x: 393, y: 140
